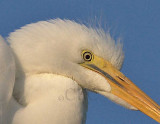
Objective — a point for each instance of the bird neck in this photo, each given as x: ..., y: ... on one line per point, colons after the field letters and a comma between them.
x: 55, y: 96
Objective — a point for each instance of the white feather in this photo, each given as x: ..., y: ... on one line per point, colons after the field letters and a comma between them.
x: 7, y: 78
x: 47, y: 54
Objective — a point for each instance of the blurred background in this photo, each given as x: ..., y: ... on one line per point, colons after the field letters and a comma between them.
x: 136, y: 22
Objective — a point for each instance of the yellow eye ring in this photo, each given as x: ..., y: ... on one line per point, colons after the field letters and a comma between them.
x: 87, y: 56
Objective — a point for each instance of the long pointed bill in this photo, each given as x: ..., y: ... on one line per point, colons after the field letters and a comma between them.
x: 123, y: 88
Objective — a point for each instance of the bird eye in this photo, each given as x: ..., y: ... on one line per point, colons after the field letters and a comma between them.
x: 87, y: 56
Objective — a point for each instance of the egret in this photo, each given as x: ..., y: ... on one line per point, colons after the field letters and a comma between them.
x: 47, y: 67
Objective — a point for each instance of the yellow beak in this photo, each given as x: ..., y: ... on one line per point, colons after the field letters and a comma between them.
x: 123, y: 88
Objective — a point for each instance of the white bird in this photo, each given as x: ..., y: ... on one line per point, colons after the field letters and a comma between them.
x: 48, y: 66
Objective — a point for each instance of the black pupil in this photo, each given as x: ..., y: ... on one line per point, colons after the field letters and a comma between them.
x: 88, y: 57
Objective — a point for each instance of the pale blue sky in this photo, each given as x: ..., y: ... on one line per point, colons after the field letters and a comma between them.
x: 136, y: 21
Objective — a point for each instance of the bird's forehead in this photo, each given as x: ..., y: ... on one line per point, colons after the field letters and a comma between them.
x: 78, y: 37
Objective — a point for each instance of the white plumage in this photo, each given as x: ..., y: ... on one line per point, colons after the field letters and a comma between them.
x: 7, y: 78
x: 50, y: 85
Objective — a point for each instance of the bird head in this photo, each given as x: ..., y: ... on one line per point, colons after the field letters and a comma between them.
x: 87, y: 55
